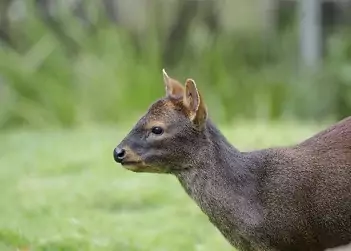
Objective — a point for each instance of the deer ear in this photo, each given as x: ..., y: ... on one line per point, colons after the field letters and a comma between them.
x: 193, y: 101
x: 173, y: 87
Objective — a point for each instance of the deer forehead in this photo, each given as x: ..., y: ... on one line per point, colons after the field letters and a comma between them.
x: 164, y: 111
x: 163, y: 108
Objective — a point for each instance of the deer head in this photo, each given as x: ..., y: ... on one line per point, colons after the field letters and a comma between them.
x: 170, y: 134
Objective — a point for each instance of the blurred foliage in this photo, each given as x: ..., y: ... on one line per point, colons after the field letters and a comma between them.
x: 72, y: 71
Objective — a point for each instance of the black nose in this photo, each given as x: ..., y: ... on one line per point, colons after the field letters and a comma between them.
x: 119, y: 154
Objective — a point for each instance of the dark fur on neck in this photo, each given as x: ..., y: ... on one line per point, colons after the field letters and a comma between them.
x: 223, y: 183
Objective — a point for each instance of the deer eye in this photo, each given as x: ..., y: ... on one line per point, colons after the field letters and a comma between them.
x: 157, y: 130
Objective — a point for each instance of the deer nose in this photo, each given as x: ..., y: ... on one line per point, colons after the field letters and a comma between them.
x: 119, y: 154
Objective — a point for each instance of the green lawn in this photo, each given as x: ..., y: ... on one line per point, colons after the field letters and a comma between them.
x: 61, y: 190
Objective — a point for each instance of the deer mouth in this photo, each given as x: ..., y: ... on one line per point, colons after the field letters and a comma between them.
x: 135, y: 166
x: 128, y: 163
x: 140, y: 167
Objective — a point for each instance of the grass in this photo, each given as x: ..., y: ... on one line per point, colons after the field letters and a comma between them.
x: 61, y: 191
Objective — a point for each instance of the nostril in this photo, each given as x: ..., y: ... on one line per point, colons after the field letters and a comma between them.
x: 119, y: 154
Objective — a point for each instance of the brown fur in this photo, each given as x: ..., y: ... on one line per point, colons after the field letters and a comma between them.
x: 283, y: 198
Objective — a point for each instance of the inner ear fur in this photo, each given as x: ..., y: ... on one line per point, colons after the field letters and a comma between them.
x: 193, y: 100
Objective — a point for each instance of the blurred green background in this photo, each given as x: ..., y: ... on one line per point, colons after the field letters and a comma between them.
x: 75, y: 75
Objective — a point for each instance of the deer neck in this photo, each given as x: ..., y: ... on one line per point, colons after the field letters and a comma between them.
x: 222, y: 183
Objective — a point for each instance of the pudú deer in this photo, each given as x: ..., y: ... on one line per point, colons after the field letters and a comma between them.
x: 283, y: 198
